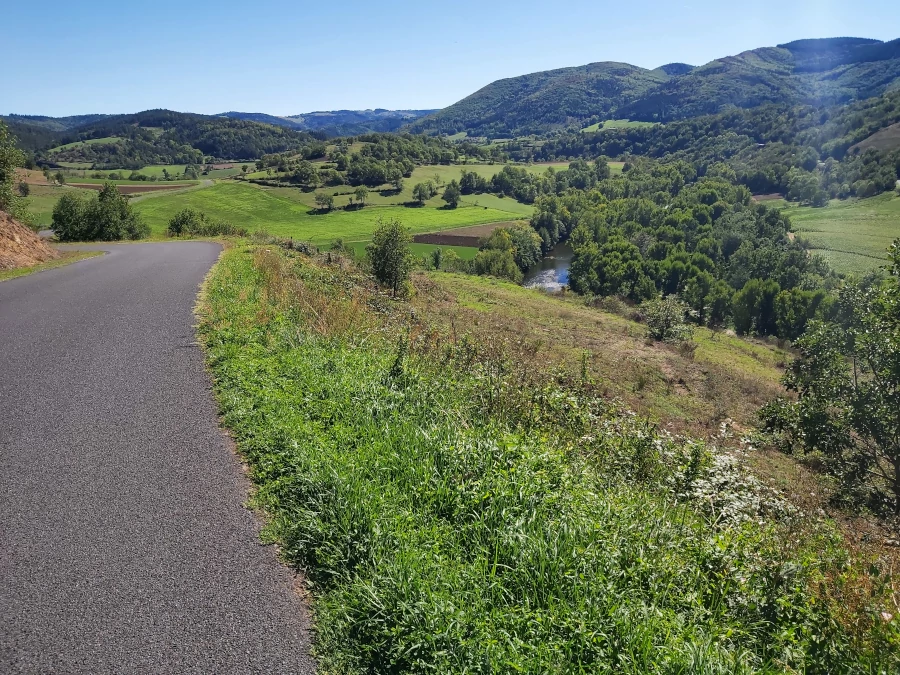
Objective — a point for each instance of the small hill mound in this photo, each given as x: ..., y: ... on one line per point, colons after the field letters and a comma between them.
x: 676, y: 69
x: 20, y: 247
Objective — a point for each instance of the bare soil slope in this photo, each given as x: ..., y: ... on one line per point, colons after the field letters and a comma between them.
x: 20, y: 247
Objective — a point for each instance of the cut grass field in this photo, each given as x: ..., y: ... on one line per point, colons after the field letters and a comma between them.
x: 281, y: 214
x: 456, y: 505
x: 853, y: 235
x: 617, y: 124
x: 92, y: 141
x: 65, y: 258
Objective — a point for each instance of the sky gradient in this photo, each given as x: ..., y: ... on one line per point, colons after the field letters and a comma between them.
x: 285, y: 58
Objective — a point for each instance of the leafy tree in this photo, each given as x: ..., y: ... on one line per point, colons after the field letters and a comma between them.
x: 361, y: 193
x: 389, y: 254
x: 422, y: 192
x: 847, y: 380
x: 452, y: 194
x: 497, y: 263
x: 665, y: 318
x: 753, y: 307
x: 324, y: 201
x: 245, y: 168
x: 60, y: 178
x: 496, y: 257
x: 526, y: 245
x: 398, y: 183
x: 69, y: 220
x: 106, y: 217
x: 10, y: 158
x: 24, y: 189
x: 437, y: 256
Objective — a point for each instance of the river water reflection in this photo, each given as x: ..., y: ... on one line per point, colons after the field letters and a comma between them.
x: 552, y: 273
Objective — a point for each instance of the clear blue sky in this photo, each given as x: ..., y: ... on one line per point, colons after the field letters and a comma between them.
x: 66, y: 58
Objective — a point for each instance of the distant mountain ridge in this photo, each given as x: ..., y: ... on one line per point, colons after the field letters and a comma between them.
x: 338, y: 122
x: 821, y: 71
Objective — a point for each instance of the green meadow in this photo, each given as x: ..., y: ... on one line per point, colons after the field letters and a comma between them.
x: 854, y: 235
x: 617, y: 124
x: 281, y: 213
x: 91, y: 141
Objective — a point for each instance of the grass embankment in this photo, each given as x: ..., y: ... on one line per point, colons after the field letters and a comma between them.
x: 65, y: 258
x: 721, y: 376
x: 279, y: 214
x: 457, y: 507
x: 853, y: 235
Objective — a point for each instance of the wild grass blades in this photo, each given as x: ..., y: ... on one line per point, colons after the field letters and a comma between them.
x: 458, y: 508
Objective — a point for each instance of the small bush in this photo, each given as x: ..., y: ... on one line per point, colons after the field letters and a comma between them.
x: 191, y: 223
x: 105, y: 217
x: 665, y: 319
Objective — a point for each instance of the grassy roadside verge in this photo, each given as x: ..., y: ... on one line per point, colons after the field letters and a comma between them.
x: 66, y: 258
x: 457, y: 509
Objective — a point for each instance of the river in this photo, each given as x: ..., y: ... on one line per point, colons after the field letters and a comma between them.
x: 551, y: 273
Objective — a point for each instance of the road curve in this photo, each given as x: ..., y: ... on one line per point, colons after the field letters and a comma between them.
x: 124, y: 543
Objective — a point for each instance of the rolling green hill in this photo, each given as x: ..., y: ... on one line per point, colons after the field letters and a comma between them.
x: 821, y: 72
x: 338, y: 122
x: 817, y: 72
x: 155, y: 137
x: 537, y: 102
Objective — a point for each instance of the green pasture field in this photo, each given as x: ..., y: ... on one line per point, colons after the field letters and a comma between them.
x: 853, y: 235
x: 91, y: 141
x: 267, y: 209
x: 617, y: 124
x: 43, y: 198
x: 85, y: 175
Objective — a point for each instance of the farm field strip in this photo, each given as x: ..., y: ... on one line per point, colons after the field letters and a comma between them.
x: 853, y: 236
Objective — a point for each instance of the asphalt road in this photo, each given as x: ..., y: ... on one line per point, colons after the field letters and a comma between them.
x: 125, y: 545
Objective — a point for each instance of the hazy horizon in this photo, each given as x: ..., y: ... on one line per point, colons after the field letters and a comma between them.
x: 284, y: 60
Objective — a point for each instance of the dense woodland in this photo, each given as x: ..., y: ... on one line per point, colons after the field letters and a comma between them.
x: 808, y: 151
x: 820, y: 72
x: 158, y: 137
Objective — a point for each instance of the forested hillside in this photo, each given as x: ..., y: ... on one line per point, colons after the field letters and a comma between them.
x: 771, y: 148
x: 157, y: 137
x: 338, y: 122
x: 813, y: 72
x: 534, y: 103
x: 818, y: 72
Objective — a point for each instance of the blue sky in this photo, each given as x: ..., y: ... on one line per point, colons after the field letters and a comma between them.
x: 66, y: 58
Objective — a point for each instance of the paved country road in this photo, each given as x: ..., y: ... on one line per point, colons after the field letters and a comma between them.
x: 124, y: 543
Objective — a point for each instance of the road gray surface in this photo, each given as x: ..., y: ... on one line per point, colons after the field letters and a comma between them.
x: 125, y: 545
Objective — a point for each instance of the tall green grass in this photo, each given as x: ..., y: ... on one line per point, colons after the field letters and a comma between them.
x: 457, y: 510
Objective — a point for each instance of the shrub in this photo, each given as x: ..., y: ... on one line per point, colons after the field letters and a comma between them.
x: 191, y: 223
x: 389, y: 254
x: 105, y: 217
x: 665, y: 319
x: 494, y: 262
